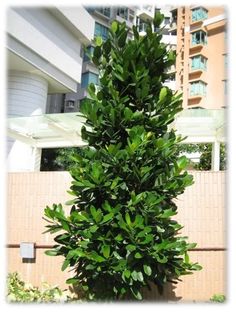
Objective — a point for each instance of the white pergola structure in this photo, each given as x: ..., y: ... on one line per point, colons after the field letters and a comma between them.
x: 203, y: 126
x: 64, y: 130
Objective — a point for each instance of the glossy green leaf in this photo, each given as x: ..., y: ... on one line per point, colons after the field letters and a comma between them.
x: 114, y: 26
x: 108, y: 217
x: 127, y: 218
x: 167, y: 213
x: 98, y: 41
x: 147, y: 270
x: 136, y: 294
x: 130, y: 247
x: 127, y: 273
x: 122, y: 39
x: 163, y: 93
x: 65, y: 264
x: 137, y: 255
x: 51, y: 252
x: 186, y: 258
x: 106, y: 251
x: 72, y: 280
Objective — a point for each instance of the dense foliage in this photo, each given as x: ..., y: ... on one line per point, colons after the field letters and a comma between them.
x: 57, y: 159
x: 205, y: 159
x: 119, y: 235
x: 63, y: 158
x: 218, y: 298
x: 19, y: 291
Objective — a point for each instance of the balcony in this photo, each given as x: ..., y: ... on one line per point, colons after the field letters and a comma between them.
x: 102, y: 12
x: 194, y: 100
x: 198, y: 65
x: 125, y: 14
x: 196, y: 48
x: 142, y: 28
x: 197, y: 90
x: 146, y: 12
x: 199, y: 14
x: 195, y: 73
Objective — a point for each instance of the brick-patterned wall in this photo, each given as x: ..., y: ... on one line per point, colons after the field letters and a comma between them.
x: 201, y: 211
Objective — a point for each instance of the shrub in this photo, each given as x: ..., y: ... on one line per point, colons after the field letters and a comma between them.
x: 19, y: 291
x: 218, y: 298
x: 119, y: 235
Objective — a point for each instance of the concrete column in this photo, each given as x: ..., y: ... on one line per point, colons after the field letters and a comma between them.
x: 27, y: 96
x: 215, y: 156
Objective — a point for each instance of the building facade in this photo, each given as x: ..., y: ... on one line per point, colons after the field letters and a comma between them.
x: 103, y: 17
x: 43, y: 50
x: 49, y: 71
x: 201, y: 63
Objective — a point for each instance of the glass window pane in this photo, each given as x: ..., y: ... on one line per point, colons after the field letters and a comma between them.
x: 197, y: 88
x: 198, y: 62
x: 199, y: 37
x: 87, y: 51
x: 88, y: 78
x: 199, y: 14
x: 101, y: 31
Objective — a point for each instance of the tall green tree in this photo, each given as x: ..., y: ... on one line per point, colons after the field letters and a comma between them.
x: 119, y: 235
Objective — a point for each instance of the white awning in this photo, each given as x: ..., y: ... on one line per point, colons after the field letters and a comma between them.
x: 48, y: 130
x: 201, y: 125
x: 64, y: 130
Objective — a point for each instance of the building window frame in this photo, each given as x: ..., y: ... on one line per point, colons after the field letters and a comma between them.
x: 106, y: 11
x: 199, y: 37
x: 198, y: 88
x: 199, y: 13
x: 123, y: 12
x: 198, y: 62
x: 88, y: 50
x: 101, y: 30
x: 142, y: 25
x: 89, y: 77
x: 126, y: 13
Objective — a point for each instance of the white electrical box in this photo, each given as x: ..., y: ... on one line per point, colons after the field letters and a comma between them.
x: 27, y: 250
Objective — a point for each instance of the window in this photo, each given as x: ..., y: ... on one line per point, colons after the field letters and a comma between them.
x: 104, y: 11
x: 199, y: 14
x: 101, y: 31
x: 88, y: 50
x: 142, y: 25
x: 166, y: 20
x: 199, y: 37
x: 123, y: 12
x: 126, y: 14
x: 131, y: 16
x: 199, y: 62
x: 88, y: 78
x: 198, y: 88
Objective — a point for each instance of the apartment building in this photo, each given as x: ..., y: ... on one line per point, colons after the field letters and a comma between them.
x: 201, y: 63
x: 103, y: 17
x: 43, y: 57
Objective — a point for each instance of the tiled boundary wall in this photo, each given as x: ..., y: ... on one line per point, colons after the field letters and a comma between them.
x: 201, y: 211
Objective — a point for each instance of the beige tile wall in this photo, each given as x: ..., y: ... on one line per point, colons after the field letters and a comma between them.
x: 201, y: 211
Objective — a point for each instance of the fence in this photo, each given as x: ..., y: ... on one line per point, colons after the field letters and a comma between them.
x: 201, y: 211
